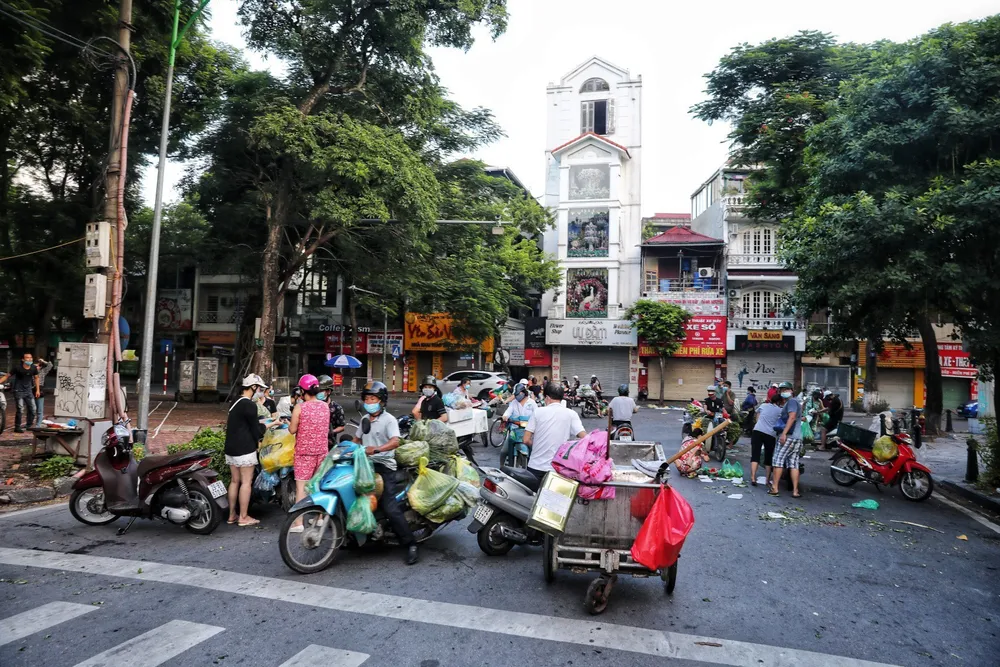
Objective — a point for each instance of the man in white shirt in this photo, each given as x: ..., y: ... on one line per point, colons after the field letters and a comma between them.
x: 549, y: 427
x: 521, y: 407
x: 622, y: 407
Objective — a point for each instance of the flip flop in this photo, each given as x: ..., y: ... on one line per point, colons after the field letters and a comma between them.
x: 772, y: 493
x: 796, y: 495
x: 296, y: 529
x: 251, y: 522
x: 232, y: 521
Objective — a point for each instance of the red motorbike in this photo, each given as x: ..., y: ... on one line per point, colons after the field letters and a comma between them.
x: 855, y: 462
x: 180, y: 488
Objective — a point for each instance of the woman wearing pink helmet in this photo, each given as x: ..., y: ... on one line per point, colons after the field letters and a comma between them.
x: 310, y: 425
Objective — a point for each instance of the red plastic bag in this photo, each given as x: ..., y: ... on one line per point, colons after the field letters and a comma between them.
x: 642, y: 503
x: 662, y: 535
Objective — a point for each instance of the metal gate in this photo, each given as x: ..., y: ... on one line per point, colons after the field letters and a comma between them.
x: 835, y: 378
x: 954, y: 392
x: 695, y: 374
x: 759, y: 369
x: 895, y: 386
x: 610, y: 365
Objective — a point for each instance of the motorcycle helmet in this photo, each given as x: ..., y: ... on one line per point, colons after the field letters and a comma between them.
x: 785, y: 385
x: 429, y: 381
x: 710, y: 388
x: 520, y: 391
x: 593, y: 377
x: 623, y: 390
x: 376, y: 388
x: 325, y: 382
x: 308, y: 381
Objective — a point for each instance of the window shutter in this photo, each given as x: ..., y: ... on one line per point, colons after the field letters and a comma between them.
x: 586, y: 117
x: 611, y: 116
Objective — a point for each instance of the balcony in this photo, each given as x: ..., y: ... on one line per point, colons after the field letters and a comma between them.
x: 735, y: 205
x: 781, y: 323
x: 678, y: 290
x: 558, y: 312
x: 755, y: 261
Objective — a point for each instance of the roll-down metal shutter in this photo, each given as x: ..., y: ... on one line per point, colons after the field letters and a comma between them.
x: 610, y: 365
x: 695, y: 373
x: 896, y: 387
x: 759, y: 370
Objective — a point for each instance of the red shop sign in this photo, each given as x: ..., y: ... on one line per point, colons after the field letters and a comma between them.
x: 537, y: 357
x: 706, y: 338
x: 334, y: 345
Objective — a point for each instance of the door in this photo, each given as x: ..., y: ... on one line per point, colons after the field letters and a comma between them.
x: 759, y: 370
x: 835, y: 378
x: 955, y: 393
x: 895, y: 386
x: 609, y: 364
x: 685, y: 378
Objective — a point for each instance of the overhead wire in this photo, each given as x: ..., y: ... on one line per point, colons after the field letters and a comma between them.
x: 35, y: 252
x: 48, y: 29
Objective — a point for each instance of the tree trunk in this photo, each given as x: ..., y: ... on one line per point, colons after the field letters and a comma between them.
x: 264, y: 354
x: 932, y: 376
x: 663, y: 372
x: 871, y: 375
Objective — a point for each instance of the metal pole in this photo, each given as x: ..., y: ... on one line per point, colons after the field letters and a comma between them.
x: 385, y: 344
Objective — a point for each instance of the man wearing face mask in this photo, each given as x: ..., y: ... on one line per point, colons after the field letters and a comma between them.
x: 379, y: 435
x: 430, y: 405
x: 787, y: 450
x: 26, y: 389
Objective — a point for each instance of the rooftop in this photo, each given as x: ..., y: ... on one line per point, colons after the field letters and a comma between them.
x: 681, y: 236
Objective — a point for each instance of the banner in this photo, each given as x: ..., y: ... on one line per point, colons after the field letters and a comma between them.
x: 173, y: 310
x: 955, y: 362
x: 618, y: 333
x: 706, y: 338
x: 534, y: 332
x: 432, y: 332
x: 341, y: 343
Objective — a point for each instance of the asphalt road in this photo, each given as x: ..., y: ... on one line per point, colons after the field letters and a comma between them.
x: 829, y: 585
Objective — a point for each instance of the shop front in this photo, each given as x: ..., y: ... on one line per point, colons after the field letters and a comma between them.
x: 433, y: 350
x: 760, y: 359
x: 693, y: 366
x: 222, y: 346
x: 901, y: 379
x: 594, y: 347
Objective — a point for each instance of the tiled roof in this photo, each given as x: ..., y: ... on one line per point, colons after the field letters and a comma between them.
x: 681, y: 235
x: 585, y: 135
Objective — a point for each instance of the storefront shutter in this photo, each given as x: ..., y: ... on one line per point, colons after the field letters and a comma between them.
x: 759, y: 370
x: 695, y: 373
x: 895, y: 386
x: 610, y: 365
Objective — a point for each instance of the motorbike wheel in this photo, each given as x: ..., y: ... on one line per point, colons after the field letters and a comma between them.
x: 916, y: 485
x: 206, y: 514
x: 87, y: 506
x: 316, y: 547
x: 286, y: 491
x: 549, y: 558
x: 669, y: 577
x: 846, y: 461
x: 719, y: 447
x: 497, y: 432
x: 489, y: 538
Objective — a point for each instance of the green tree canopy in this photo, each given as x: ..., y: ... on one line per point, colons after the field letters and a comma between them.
x: 662, y: 326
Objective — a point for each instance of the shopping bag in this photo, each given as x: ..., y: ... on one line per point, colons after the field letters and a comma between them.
x: 885, y: 449
x: 727, y: 469
x: 807, y: 432
x: 360, y: 518
x: 468, y: 493
x: 364, y: 473
x: 277, y: 450
x: 430, y: 489
x: 266, y: 481
x: 442, y: 440
x: 325, y: 466
x: 449, y: 509
x: 737, y: 470
x: 409, y: 455
x: 662, y: 535
x: 463, y: 471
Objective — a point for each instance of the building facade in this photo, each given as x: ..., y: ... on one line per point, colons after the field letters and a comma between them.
x: 593, y: 160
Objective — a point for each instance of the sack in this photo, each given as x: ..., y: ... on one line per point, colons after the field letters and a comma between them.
x: 468, y: 493
x: 325, y: 466
x: 807, y: 432
x: 266, y: 481
x: 361, y: 519
x: 586, y: 461
x: 419, y: 430
x: 885, y: 449
x: 442, y: 441
x: 409, y: 455
x: 277, y: 450
x: 463, y: 471
x: 364, y: 473
x: 662, y: 535
x: 450, y: 508
x: 430, y: 490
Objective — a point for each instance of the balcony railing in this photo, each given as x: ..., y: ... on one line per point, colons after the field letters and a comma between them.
x: 782, y: 323
x: 672, y: 286
x: 218, y: 316
x: 755, y: 260
x: 734, y: 201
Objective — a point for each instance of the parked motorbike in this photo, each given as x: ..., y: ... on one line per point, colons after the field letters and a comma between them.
x: 505, y: 502
x: 854, y: 463
x: 324, y: 517
x: 281, y: 494
x: 180, y: 488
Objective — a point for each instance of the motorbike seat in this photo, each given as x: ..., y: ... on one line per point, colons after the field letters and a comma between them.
x: 153, y: 462
x: 523, y: 476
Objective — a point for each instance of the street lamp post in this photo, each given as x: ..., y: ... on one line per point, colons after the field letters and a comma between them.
x: 385, y: 324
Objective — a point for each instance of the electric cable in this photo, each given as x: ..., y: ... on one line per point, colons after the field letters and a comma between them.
x: 35, y: 252
x: 47, y: 29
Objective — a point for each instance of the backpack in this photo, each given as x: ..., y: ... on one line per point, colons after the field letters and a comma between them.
x: 586, y: 460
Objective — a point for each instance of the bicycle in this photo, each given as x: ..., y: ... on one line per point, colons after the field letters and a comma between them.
x: 515, y: 452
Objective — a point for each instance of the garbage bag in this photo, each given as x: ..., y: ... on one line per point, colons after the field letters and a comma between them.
x: 430, y: 490
x: 662, y: 535
x: 442, y: 441
x: 325, y: 466
x: 364, y: 473
x: 419, y: 431
x: 277, y: 450
x: 468, y: 493
x: 463, y: 471
x: 451, y: 507
x: 409, y: 455
x: 360, y: 518
x: 266, y: 481
x: 807, y: 432
x: 449, y: 400
x: 885, y: 449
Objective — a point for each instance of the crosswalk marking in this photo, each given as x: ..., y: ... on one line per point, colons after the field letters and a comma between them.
x: 40, y: 618
x: 154, y: 647
x: 315, y: 655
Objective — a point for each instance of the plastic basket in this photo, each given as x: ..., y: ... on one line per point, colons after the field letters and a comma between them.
x: 856, y: 436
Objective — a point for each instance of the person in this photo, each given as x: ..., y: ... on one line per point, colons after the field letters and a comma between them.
x: 262, y: 412
x: 545, y: 380
x: 772, y: 392
x: 338, y: 419
x: 44, y: 367
x: 728, y: 398
x: 243, y: 432
x: 836, y: 412
x: 812, y: 411
x: 534, y: 387
x: 786, y: 450
x: 576, y: 383
x: 430, y: 405
x: 622, y: 407
x: 287, y: 403
x: 595, y: 384
x: 749, y: 406
x: 521, y: 408
x: 462, y: 390
x: 549, y: 427
x: 27, y: 390
x: 379, y: 434
x: 311, y: 427
x: 713, y: 408
x: 762, y: 437
x: 689, y: 462
x: 269, y: 403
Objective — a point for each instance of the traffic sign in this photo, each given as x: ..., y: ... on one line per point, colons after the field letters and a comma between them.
x: 396, y: 350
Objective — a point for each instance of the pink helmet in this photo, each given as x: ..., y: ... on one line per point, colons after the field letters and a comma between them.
x: 307, y: 382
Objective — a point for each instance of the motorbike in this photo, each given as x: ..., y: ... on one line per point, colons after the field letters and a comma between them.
x: 696, y: 416
x: 623, y: 431
x: 180, y: 488
x: 514, y: 452
x: 856, y: 462
x: 324, y: 518
x: 505, y: 502
x: 590, y: 405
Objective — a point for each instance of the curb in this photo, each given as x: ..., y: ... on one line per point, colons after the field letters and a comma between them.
x: 976, y: 497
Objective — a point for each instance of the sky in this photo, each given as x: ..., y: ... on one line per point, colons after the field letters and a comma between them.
x: 671, y: 44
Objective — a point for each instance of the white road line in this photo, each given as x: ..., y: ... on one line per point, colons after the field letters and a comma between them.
x: 965, y: 510
x: 41, y: 618
x: 315, y: 655
x: 592, y: 634
x: 154, y: 647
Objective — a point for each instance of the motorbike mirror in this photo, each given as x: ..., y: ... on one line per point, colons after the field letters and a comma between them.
x: 366, y: 426
x: 358, y: 406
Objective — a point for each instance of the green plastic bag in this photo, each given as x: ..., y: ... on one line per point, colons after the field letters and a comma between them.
x: 737, y: 469
x: 419, y: 431
x: 807, y: 432
x: 442, y: 441
x: 312, y: 486
x: 364, y: 473
x: 463, y: 471
x: 430, y: 490
x: 361, y: 519
x: 468, y: 493
x: 409, y: 455
x: 451, y: 507
x: 867, y: 504
x: 727, y: 470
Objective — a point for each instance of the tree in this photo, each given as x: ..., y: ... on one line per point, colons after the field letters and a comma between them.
x: 663, y: 326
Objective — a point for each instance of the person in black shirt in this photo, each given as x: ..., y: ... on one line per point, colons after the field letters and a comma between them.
x: 243, y: 432
x: 26, y: 389
x: 712, y: 403
x: 338, y: 419
x: 430, y: 405
x: 269, y: 402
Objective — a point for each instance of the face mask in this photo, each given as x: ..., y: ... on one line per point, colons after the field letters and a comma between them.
x: 372, y: 408
x: 26, y: 364
x: 257, y: 395
x: 786, y: 394
x: 321, y: 395
x: 428, y: 392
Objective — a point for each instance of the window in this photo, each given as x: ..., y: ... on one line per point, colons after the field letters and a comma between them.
x: 597, y: 116
x: 594, y: 85
x: 761, y: 304
x: 319, y: 286
x: 758, y: 241
x: 652, y: 281
x: 213, y: 303
x: 591, y: 181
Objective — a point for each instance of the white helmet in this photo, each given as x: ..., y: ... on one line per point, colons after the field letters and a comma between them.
x: 252, y: 380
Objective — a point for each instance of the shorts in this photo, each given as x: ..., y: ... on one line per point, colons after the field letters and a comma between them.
x: 306, y: 465
x: 760, y: 440
x: 242, y: 461
x: 787, y: 455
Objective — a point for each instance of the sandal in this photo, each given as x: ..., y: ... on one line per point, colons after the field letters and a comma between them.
x: 248, y: 522
x: 771, y: 492
x: 232, y: 520
x: 753, y: 482
x: 796, y: 495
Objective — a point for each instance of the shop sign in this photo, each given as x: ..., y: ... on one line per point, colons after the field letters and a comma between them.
x: 537, y: 357
x: 786, y: 344
x: 955, y: 362
x: 556, y: 362
x: 511, y: 338
x: 217, y: 337
x: 698, y: 305
x: 534, y: 332
x: 173, y: 310
x: 516, y: 356
x: 323, y: 328
x: 706, y: 338
x: 764, y: 334
x: 375, y: 341
x: 614, y: 333
x: 432, y: 332
x: 342, y: 343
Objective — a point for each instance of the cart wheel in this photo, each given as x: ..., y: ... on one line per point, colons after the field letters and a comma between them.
x: 669, y: 577
x: 597, y: 596
x: 549, y: 558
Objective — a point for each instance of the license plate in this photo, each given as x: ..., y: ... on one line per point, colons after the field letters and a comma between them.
x: 217, y: 489
x: 483, y: 513
x: 626, y: 438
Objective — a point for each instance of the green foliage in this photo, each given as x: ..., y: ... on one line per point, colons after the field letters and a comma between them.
x: 660, y: 323
x: 989, y: 455
x: 212, y: 440
x: 138, y: 452
x: 858, y: 405
x: 56, y: 466
x: 734, y: 431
